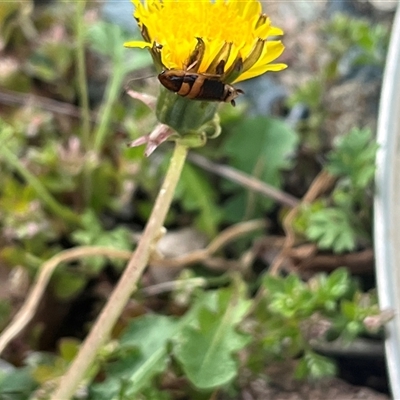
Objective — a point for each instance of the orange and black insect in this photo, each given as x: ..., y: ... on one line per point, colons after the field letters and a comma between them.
x: 199, y: 86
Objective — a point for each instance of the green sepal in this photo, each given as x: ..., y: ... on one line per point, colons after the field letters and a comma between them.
x: 182, y: 114
x: 193, y: 140
x: 213, y: 128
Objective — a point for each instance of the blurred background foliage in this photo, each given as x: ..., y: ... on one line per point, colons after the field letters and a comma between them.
x: 68, y: 179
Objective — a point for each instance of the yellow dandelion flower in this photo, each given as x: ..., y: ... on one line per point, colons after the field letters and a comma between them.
x: 218, y: 40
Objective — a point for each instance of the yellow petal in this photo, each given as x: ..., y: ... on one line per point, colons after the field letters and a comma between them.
x: 137, y: 43
x: 260, y: 70
x: 170, y: 29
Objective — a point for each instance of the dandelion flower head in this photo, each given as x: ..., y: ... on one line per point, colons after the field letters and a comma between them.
x: 232, y: 38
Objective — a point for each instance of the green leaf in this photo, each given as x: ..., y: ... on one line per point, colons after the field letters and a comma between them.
x: 315, y: 366
x: 152, y: 393
x: 352, y: 330
x: 338, y: 283
x: 144, y: 355
x: 261, y: 147
x: 273, y: 283
x: 206, y: 348
x: 367, y: 42
x: 197, y: 194
x: 6, y: 131
x: 17, y: 385
x: 69, y: 347
x: 331, y: 228
x: 5, y: 311
x: 50, y: 61
x: 11, y: 16
x: 105, y: 181
x: 93, y: 234
x: 264, y: 142
x: 68, y: 283
x: 109, y: 39
x: 310, y: 93
x: 327, y: 289
x: 354, y: 157
x: 294, y: 302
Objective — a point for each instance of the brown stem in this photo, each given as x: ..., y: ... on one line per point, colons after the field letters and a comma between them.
x: 245, y: 180
x: 127, y: 283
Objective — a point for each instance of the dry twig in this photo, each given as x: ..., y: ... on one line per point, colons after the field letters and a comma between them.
x: 321, y: 184
x: 244, y: 180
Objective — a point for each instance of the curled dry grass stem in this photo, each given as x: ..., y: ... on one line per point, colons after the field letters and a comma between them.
x: 205, y: 255
x: 28, y: 309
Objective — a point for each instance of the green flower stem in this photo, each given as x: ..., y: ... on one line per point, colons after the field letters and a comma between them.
x: 83, y: 96
x: 111, y: 95
x: 127, y: 283
x: 81, y: 72
x: 63, y: 212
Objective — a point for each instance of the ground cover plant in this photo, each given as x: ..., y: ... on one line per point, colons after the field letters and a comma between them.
x: 267, y: 242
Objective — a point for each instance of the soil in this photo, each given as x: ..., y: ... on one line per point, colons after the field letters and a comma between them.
x: 333, y: 389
